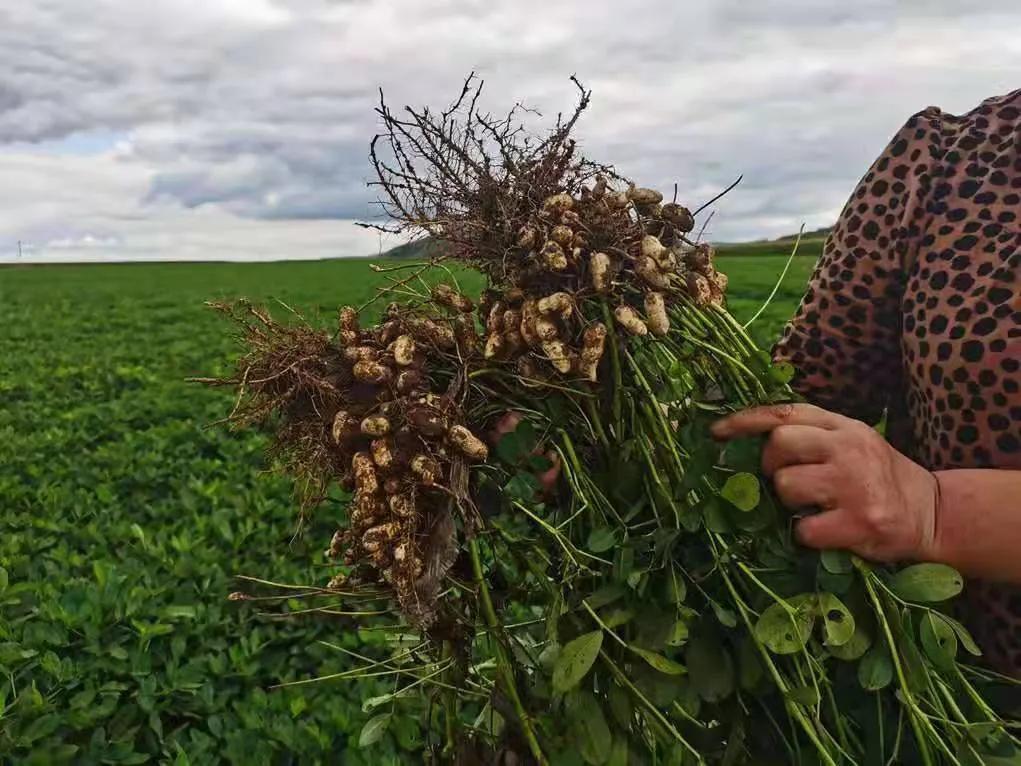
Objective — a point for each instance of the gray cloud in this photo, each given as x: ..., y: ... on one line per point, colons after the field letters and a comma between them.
x: 259, y: 112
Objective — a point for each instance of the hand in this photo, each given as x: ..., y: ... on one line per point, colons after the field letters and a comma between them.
x: 508, y: 423
x: 872, y: 500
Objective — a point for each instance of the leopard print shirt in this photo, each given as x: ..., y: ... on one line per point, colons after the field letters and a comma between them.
x: 914, y: 309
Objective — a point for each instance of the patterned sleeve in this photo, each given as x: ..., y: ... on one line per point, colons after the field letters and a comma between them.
x: 844, y: 340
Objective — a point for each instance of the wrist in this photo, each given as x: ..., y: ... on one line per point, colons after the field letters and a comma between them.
x: 936, y: 545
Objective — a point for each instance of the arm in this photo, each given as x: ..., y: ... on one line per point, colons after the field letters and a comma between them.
x: 978, y: 527
x: 876, y: 502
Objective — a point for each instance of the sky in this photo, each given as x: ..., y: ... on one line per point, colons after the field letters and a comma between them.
x: 239, y: 129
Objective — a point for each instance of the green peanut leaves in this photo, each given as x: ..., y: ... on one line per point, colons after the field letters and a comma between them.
x: 575, y: 660
x: 742, y: 491
x: 785, y: 628
x: 927, y: 583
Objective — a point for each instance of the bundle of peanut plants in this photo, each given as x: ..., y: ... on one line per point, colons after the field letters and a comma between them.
x: 650, y: 606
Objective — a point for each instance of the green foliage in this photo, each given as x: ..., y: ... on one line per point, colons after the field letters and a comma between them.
x: 875, y: 671
x: 586, y: 719
x: 927, y: 583
x: 374, y: 729
x: 125, y: 521
x: 742, y: 491
x: 575, y: 660
x: 786, y: 627
x: 939, y: 640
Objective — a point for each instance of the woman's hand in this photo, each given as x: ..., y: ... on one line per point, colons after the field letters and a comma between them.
x: 508, y: 423
x: 871, y: 499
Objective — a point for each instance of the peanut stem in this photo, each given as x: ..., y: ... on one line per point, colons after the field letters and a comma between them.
x: 503, y: 663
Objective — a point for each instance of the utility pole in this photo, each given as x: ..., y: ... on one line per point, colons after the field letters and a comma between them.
x: 19, y: 249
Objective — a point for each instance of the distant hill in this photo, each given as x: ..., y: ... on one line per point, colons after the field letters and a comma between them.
x: 811, y: 245
x: 420, y: 249
x: 821, y: 233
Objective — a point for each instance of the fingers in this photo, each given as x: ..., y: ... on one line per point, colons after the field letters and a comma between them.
x: 828, y: 530
x: 548, y: 478
x: 760, y: 420
x: 509, y: 423
x: 504, y: 426
x: 795, y: 445
x: 805, y: 486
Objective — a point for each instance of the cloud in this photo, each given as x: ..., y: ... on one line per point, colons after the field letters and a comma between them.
x: 251, y: 118
x: 84, y: 208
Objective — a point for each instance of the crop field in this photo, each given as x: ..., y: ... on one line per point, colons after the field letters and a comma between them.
x: 124, y: 521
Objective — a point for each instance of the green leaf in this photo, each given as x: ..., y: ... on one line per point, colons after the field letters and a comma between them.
x: 786, y: 629
x: 916, y: 672
x: 688, y: 697
x: 553, y: 618
x: 855, y: 647
x: 782, y: 372
x: 527, y: 433
x: 489, y: 721
x: 676, y: 588
x: 606, y: 595
x: 875, y: 671
x: 620, y: 705
x: 679, y: 634
x: 736, y: 752
x: 181, y: 759
x: 1013, y: 759
x: 586, y: 719
x: 601, y: 539
x: 665, y: 540
x: 617, y: 617
x: 742, y: 491
x: 547, y: 658
x: 371, y: 703
x: 39, y: 728
x: 715, y: 516
x: 710, y: 667
x: 511, y: 447
x: 373, y: 730
x: 836, y: 562
x: 538, y: 463
x: 618, y: 753
x: 624, y: 564
x: 927, y: 583
x: 180, y: 611
x: 806, y: 695
x: 744, y: 454
x: 834, y: 583
x: 407, y: 731
x: 838, y: 622
x: 654, y: 627
x: 659, y: 688
x: 750, y: 669
x: 575, y: 660
x: 299, y: 704
x: 522, y: 487
x: 938, y: 639
x: 659, y: 662
x: 963, y: 636
x: 726, y: 616
x: 4, y: 579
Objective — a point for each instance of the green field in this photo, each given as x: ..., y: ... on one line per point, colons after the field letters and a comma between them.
x: 125, y: 520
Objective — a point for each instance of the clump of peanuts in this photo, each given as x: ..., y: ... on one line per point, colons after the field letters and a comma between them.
x: 625, y: 247
x: 396, y: 440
